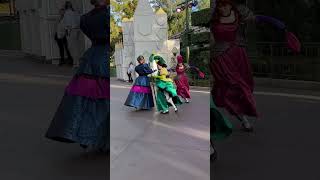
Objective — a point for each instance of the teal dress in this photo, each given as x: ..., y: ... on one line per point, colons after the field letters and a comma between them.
x: 220, y: 126
x: 165, y: 85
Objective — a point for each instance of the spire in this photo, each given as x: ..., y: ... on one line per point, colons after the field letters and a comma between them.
x: 143, y: 8
x: 161, y: 12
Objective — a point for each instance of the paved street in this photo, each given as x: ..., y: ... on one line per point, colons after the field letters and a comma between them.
x: 30, y: 93
x: 147, y: 145
x: 284, y: 146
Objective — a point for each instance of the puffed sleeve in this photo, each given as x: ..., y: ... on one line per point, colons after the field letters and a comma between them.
x: 245, y: 13
x: 147, y: 69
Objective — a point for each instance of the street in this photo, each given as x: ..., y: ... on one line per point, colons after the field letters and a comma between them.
x: 30, y: 93
x: 146, y: 145
x: 285, y: 144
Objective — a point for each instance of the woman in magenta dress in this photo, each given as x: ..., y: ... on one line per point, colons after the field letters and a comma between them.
x: 233, y: 86
x: 181, y: 80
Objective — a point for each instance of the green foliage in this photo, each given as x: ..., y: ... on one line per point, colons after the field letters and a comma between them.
x: 199, y: 57
x: 197, y: 38
x: 201, y: 18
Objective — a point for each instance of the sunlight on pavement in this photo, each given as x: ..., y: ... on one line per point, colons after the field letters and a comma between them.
x: 179, y: 165
x: 187, y: 131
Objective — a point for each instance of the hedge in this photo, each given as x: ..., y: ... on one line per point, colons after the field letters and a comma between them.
x: 198, y: 38
x: 201, y: 18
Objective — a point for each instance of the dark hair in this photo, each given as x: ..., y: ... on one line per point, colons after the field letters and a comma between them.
x: 162, y: 64
x: 216, y: 14
x: 68, y: 5
x: 140, y: 58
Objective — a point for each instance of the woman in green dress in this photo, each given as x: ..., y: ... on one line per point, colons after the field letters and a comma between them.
x: 220, y: 128
x: 166, y: 93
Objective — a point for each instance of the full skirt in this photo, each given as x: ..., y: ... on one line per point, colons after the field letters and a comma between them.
x: 84, y: 112
x: 183, y: 89
x: 140, y: 95
x: 233, y: 86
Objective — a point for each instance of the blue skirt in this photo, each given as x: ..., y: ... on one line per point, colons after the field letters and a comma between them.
x: 83, y: 115
x: 140, y: 95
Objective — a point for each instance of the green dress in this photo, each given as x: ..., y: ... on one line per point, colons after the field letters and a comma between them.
x: 220, y: 126
x: 165, y: 85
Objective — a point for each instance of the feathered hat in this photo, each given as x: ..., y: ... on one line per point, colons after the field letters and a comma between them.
x: 180, y: 59
x: 159, y: 60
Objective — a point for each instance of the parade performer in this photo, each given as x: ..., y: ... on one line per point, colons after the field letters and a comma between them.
x: 181, y: 79
x: 84, y: 112
x: 140, y: 96
x: 220, y: 128
x: 166, y: 93
x: 233, y: 86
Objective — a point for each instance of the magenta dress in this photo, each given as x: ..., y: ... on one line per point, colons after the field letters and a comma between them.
x: 233, y: 85
x: 182, y: 83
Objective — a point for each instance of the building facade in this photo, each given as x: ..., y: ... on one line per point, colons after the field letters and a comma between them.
x: 145, y: 33
x: 38, y: 21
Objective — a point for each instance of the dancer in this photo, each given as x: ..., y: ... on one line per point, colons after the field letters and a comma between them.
x: 233, y: 87
x: 220, y: 128
x: 140, y: 96
x: 84, y: 113
x: 181, y: 80
x: 166, y: 93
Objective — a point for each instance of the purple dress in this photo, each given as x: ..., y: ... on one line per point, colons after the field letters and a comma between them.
x: 182, y: 83
x: 233, y: 86
x: 84, y: 112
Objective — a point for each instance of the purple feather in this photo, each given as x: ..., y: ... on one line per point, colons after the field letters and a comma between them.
x: 277, y: 23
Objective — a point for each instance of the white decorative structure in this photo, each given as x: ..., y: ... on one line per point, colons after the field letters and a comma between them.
x: 145, y: 33
x: 38, y: 20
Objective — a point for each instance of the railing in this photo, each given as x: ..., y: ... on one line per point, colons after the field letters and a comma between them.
x: 195, y: 80
x: 275, y: 60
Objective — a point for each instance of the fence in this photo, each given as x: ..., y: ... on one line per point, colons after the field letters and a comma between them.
x: 275, y: 60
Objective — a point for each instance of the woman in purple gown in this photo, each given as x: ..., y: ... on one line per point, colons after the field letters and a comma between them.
x: 181, y: 80
x: 84, y: 112
x: 233, y: 86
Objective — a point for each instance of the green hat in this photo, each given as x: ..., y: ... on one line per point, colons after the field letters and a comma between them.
x: 159, y: 60
x: 151, y: 57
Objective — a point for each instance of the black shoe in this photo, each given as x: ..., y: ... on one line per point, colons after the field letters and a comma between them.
x: 247, y: 128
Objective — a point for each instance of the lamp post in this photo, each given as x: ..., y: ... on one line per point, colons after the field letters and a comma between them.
x: 185, y: 6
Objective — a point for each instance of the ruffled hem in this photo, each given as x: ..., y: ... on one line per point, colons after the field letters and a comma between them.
x: 81, y: 120
x: 91, y: 87
x: 140, y: 100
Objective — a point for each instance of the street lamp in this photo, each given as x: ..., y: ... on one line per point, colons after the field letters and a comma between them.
x: 185, y: 6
